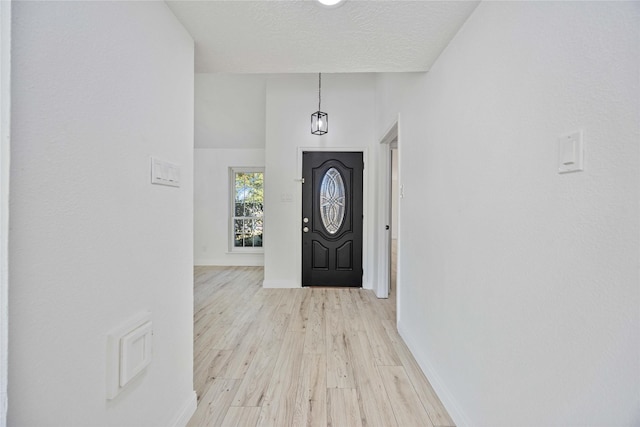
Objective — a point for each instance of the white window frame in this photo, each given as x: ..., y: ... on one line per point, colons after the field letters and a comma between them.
x: 232, y: 203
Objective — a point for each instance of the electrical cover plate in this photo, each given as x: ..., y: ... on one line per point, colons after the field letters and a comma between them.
x: 135, y: 337
x: 164, y: 173
x: 570, y: 152
x: 135, y: 352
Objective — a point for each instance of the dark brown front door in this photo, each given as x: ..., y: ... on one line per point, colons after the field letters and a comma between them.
x: 332, y: 218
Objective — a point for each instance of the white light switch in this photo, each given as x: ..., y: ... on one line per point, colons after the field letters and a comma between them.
x: 165, y: 173
x: 570, y: 152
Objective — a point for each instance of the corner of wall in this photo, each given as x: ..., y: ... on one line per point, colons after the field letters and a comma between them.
x: 5, y: 152
x: 450, y: 403
x: 186, y: 412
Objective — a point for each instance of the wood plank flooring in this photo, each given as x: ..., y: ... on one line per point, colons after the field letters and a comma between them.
x: 302, y: 357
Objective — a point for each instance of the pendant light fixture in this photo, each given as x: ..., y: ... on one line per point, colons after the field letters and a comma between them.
x: 319, y: 120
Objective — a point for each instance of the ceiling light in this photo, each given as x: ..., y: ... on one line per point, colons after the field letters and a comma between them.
x: 331, y: 3
x: 319, y: 120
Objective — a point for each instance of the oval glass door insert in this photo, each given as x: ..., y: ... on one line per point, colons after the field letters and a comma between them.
x: 332, y: 201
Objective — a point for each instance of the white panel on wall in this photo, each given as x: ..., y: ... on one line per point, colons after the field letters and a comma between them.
x: 136, y: 349
x: 570, y: 152
x: 165, y: 173
x: 129, y: 351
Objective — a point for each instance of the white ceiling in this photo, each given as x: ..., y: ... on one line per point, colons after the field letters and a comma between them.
x: 300, y: 36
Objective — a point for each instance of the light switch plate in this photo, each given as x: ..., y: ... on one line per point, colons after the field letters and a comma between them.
x: 570, y: 152
x: 164, y: 173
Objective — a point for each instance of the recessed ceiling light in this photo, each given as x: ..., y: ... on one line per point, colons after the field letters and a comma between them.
x: 331, y: 3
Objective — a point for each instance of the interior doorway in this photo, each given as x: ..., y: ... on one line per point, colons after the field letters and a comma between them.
x: 389, y: 252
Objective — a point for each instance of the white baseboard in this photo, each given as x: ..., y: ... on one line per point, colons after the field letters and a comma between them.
x: 187, y: 411
x: 288, y: 284
x: 379, y: 293
x: 448, y: 400
x: 232, y: 261
x: 3, y: 410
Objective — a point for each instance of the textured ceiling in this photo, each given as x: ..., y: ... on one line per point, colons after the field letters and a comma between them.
x: 299, y: 36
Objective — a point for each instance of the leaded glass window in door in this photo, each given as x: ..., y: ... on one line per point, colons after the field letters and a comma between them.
x: 332, y: 200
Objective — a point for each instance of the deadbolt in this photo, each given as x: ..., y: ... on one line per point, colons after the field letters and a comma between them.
x: 305, y: 220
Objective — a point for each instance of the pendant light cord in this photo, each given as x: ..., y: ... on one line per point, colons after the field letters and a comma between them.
x: 319, y: 88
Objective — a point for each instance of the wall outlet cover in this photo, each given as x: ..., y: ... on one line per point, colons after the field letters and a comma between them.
x: 129, y: 350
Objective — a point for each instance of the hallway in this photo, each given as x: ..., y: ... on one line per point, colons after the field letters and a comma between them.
x: 298, y: 357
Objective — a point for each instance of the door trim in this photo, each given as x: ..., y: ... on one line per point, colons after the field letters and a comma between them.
x: 367, y: 247
x: 384, y: 219
x: 382, y: 236
x: 5, y: 153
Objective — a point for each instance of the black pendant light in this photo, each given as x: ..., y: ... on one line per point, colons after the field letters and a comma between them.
x: 319, y: 120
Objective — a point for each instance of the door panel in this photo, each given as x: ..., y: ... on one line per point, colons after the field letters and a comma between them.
x: 332, y: 209
x: 320, y: 256
x: 344, y: 256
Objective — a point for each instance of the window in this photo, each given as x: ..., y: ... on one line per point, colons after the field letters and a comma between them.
x: 247, y: 206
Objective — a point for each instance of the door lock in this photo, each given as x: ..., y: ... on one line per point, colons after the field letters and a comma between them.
x: 306, y: 229
x: 305, y: 220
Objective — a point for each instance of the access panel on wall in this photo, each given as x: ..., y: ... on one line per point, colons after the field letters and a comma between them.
x: 332, y: 218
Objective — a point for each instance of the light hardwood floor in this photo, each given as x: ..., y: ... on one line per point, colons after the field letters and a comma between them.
x: 302, y: 357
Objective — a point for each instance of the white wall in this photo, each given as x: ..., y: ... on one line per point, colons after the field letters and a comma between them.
x: 98, y: 88
x: 349, y: 101
x: 211, y: 205
x: 230, y: 114
x: 230, y: 111
x: 519, y: 291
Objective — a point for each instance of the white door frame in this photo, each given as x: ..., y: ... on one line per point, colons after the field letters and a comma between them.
x: 5, y: 120
x: 383, y: 235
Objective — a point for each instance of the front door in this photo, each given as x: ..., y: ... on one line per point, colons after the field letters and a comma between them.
x: 332, y: 218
